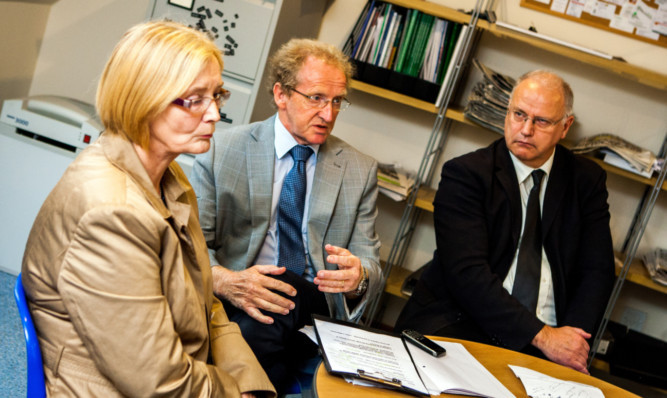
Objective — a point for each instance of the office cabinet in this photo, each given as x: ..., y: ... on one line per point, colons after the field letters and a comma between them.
x: 248, y: 32
x: 32, y: 168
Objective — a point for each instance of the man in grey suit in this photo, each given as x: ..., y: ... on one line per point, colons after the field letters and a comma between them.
x: 239, y: 183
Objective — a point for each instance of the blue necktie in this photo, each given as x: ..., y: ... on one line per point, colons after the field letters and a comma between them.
x: 291, y: 253
x: 529, y: 262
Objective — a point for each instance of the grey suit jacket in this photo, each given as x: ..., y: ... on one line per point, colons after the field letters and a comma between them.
x: 233, y: 182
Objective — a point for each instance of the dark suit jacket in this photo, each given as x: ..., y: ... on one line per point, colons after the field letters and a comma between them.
x: 478, y: 224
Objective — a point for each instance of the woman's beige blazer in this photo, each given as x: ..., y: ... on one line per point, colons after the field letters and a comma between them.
x: 120, y: 289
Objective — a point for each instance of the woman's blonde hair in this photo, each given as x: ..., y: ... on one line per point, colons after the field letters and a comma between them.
x: 153, y: 64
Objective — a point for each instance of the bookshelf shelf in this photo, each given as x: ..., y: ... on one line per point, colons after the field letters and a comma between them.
x: 452, y: 113
x: 393, y: 96
x: 638, y: 275
x: 425, y: 198
x: 624, y: 173
x: 433, y: 9
x: 395, y: 282
x: 628, y: 71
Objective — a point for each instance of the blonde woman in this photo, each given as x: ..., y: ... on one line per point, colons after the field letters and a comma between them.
x: 116, y: 268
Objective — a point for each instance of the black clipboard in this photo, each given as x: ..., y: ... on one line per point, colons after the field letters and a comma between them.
x: 366, y: 374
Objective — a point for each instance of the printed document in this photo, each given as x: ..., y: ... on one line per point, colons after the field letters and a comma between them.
x: 350, y: 349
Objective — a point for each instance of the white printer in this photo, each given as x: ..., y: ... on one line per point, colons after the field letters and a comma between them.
x: 60, y: 121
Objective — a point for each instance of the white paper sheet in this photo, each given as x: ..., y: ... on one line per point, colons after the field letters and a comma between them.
x: 621, y: 23
x: 603, y: 10
x: 575, y: 8
x: 309, y: 331
x: 648, y: 33
x: 559, y: 5
x: 642, y: 16
x: 539, y: 385
x: 660, y: 21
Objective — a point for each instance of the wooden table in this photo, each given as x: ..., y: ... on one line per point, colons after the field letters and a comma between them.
x: 493, y: 358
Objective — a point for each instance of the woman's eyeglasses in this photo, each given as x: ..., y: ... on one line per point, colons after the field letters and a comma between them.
x: 201, y: 104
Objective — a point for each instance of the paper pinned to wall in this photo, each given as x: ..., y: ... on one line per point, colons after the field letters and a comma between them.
x: 642, y: 15
x: 559, y: 5
x: 644, y: 20
x: 660, y: 20
x: 603, y: 10
x: 575, y: 8
x: 620, y: 23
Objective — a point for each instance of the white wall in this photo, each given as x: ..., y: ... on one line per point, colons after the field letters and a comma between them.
x: 22, y: 27
x: 604, y: 102
x: 78, y: 40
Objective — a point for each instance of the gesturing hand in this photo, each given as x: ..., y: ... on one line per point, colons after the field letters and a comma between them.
x: 251, y: 290
x: 346, y: 278
x: 564, y: 345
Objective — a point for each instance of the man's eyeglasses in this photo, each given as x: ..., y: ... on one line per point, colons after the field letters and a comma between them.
x: 201, y: 104
x: 319, y: 101
x: 518, y: 116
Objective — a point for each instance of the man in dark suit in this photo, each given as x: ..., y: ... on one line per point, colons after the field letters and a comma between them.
x: 473, y: 289
x: 239, y: 185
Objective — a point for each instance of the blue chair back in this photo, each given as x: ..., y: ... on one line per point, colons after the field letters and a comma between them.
x: 302, y: 382
x: 36, y: 385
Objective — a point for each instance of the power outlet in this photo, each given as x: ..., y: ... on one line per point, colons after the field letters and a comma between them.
x: 633, y: 318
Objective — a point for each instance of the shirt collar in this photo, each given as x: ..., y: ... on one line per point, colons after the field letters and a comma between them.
x: 284, y: 141
x: 523, y: 171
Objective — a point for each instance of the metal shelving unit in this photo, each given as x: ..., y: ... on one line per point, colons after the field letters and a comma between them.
x: 421, y: 197
x: 436, y: 139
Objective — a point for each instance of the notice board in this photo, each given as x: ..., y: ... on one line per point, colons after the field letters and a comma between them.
x: 643, y: 20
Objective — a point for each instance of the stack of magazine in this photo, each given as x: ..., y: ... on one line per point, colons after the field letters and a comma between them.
x: 656, y: 265
x: 488, y: 101
x: 618, y: 152
x: 395, y: 182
